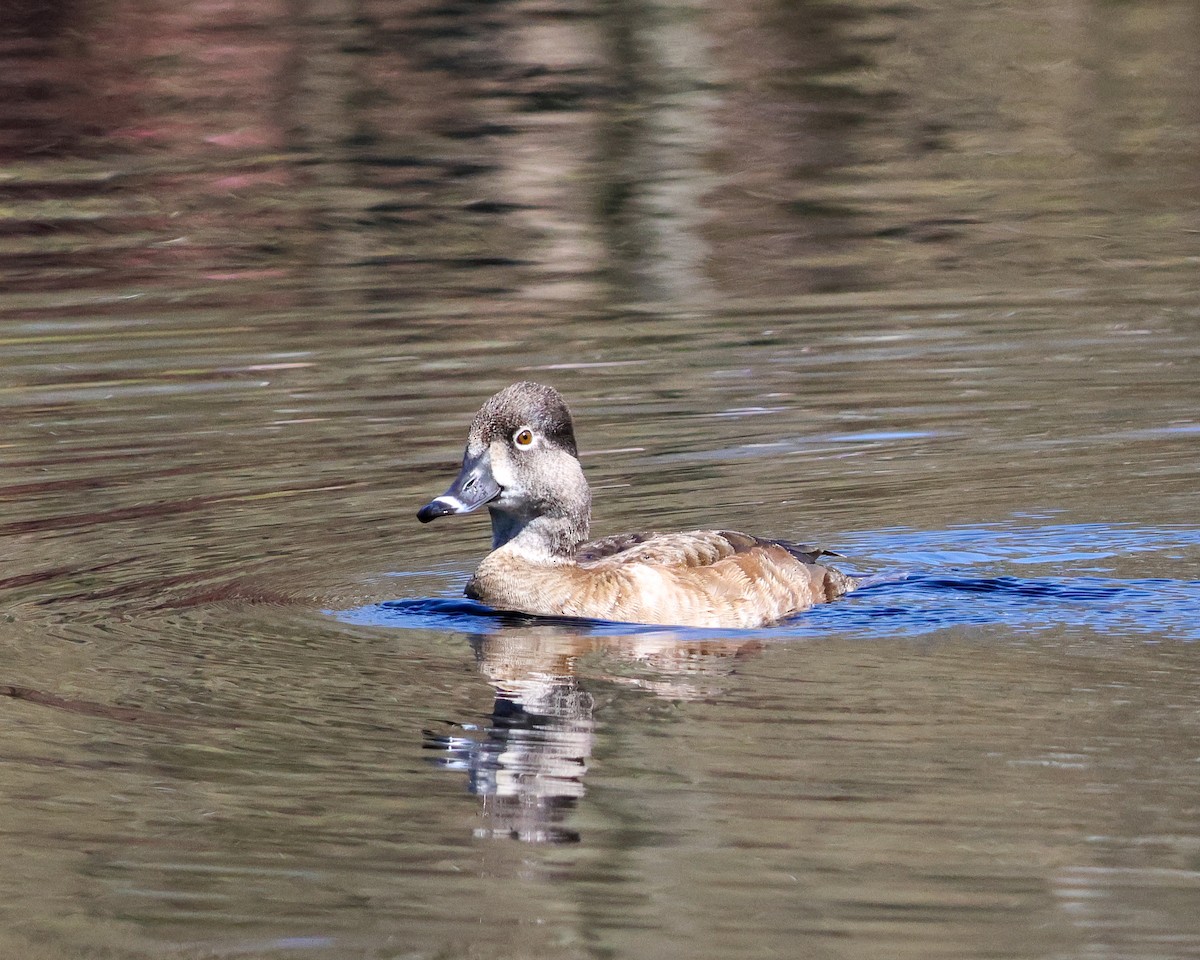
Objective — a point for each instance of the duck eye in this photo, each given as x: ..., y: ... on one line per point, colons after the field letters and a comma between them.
x: 524, y: 437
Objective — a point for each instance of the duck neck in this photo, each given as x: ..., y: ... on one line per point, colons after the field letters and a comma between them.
x: 543, y: 539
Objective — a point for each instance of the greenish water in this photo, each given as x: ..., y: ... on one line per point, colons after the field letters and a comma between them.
x: 917, y: 283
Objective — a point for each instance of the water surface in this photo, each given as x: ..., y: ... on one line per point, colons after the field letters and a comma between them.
x: 915, y: 283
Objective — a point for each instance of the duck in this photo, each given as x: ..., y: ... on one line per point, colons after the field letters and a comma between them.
x: 522, y: 463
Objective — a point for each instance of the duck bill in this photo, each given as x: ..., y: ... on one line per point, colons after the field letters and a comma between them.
x: 472, y: 488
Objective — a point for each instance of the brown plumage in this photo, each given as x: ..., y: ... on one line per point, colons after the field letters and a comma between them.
x: 521, y: 462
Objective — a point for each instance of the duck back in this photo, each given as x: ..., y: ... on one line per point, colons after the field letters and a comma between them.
x: 703, y: 578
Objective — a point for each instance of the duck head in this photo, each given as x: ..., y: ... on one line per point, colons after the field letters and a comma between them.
x: 522, y: 463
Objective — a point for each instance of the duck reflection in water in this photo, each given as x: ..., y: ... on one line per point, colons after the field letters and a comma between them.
x: 529, y: 760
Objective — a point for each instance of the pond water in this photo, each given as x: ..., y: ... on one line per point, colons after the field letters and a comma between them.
x: 917, y: 282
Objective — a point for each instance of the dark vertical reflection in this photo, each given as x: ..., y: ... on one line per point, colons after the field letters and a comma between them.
x: 721, y: 114
x: 337, y: 152
x: 1134, y: 116
x: 799, y: 95
x: 655, y: 139
x: 53, y: 81
x: 537, y: 81
x: 1032, y: 142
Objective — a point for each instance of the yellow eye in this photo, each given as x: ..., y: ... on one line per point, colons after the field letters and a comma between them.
x: 524, y: 437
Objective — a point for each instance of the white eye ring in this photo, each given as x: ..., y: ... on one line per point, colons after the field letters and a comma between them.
x: 524, y: 438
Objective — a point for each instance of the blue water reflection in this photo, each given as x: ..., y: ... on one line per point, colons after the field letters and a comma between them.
x: 1158, y: 608
x: 921, y: 582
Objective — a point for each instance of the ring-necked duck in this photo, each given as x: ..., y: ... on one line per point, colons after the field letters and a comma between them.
x: 521, y: 463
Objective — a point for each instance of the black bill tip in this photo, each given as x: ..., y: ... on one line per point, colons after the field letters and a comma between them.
x: 434, y: 509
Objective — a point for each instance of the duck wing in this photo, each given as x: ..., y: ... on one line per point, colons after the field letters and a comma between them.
x: 606, y: 547
x: 696, y: 548
x: 802, y: 551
